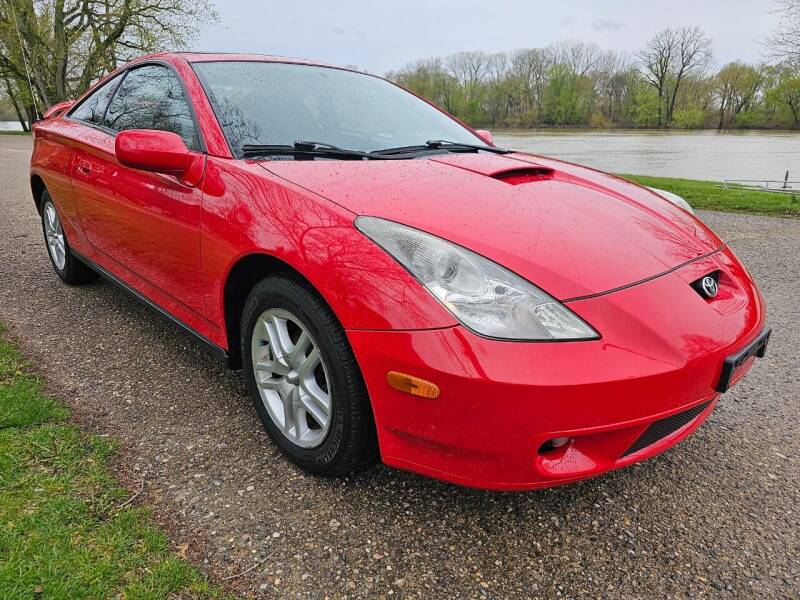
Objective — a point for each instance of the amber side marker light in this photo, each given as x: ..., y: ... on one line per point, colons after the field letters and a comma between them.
x: 412, y: 385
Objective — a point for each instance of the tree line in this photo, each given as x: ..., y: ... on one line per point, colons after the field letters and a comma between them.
x: 668, y: 83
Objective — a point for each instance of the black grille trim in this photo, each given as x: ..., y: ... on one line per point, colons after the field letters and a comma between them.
x: 664, y: 427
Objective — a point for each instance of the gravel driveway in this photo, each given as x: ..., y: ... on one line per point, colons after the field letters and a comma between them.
x: 718, y: 515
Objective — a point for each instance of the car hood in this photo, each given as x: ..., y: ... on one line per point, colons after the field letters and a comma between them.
x: 570, y: 230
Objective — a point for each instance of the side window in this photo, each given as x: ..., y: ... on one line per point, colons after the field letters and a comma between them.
x: 151, y: 97
x: 93, y: 107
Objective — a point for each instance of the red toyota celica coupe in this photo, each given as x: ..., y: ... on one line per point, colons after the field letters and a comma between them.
x: 392, y: 284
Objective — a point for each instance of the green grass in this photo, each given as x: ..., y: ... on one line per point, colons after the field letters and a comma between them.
x: 707, y: 195
x: 6, y: 132
x: 64, y: 533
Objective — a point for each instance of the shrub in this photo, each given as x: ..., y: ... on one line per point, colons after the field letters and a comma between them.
x: 598, y: 121
x: 690, y: 118
x: 749, y: 119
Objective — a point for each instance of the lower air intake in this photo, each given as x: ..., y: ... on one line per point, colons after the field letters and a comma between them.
x: 664, y: 427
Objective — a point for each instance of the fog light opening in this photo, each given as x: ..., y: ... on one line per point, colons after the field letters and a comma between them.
x: 554, y: 444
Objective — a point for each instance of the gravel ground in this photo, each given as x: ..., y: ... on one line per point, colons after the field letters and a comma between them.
x: 716, y: 516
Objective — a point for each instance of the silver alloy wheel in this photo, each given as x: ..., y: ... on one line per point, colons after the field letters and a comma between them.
x: 292, y: 377
x: 55, y: 236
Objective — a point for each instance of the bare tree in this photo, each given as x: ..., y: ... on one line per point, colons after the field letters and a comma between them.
x: 668, y: 59
x: 693, y: 54
x: 529, y: 68
x: 785, y: 42
x: 656, y: 61
x: 612, y: 80
x: 469, y: 68
x: 580, y: 57
x: 497, y: 67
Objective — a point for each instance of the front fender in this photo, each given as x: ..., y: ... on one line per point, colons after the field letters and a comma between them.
x: 249, y: 211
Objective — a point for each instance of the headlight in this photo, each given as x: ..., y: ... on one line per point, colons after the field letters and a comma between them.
x: 484, y: 296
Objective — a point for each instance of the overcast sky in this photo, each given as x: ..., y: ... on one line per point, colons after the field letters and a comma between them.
x: 383, y: 35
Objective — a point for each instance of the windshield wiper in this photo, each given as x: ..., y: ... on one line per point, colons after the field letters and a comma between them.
x: 439, y: 145
x: 435, y: 144
x: 304, y: 148
x: 312, y: 149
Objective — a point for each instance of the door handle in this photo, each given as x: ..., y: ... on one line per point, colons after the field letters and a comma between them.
x: 84, y: 167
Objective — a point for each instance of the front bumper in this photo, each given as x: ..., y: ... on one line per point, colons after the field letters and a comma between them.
x: 661, y: 354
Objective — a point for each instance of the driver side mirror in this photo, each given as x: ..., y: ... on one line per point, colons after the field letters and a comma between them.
x: 152, y: 150
x: 486, y: 136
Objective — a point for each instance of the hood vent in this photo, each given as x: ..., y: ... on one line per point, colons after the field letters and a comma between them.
x: 524, y: 175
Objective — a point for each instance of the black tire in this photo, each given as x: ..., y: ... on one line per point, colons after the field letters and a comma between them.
x: 73, y: 272
x: 350, y: 444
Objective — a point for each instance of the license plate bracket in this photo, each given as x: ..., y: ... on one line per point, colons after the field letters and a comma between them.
x: 755, y: 349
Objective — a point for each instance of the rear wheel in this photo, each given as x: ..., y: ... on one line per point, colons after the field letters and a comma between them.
x: 304, y: 379
x: 71, y: 270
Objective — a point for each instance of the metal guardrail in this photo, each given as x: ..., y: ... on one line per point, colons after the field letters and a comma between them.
x: 776, y: 186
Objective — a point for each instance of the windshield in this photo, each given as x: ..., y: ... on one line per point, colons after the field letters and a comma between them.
x: 280, y: 103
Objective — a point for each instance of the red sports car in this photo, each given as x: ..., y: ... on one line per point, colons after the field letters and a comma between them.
x: 392, y: 284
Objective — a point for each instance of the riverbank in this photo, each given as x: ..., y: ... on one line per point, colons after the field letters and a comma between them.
x: 708, y: 195
x: 67, y: 528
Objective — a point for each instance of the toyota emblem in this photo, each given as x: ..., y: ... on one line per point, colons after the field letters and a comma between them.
x: 709, y: 285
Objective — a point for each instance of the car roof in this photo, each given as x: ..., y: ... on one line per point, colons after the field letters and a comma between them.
x: 195, y: 57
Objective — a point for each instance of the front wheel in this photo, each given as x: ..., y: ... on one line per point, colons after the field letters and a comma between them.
x: 71, y: 270
x: 304, y: 379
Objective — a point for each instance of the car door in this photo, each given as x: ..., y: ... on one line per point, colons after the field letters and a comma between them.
x: 54, y: 150
x: 144, y: 227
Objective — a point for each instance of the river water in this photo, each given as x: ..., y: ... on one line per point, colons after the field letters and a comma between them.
x: 10, y: 126
x: 691, y: 155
